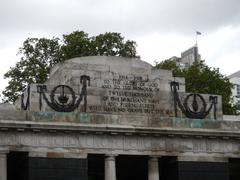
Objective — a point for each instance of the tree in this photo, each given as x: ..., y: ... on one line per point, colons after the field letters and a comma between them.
x: 170, y: 64
x: 38, y: 55
x: 77, y: 44
x: 200, y: 78
x: 113, y: 44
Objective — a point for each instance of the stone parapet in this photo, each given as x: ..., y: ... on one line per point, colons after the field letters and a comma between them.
x: 118, y: 86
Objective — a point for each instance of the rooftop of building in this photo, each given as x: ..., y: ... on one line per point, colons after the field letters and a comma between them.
x: 236, y: 74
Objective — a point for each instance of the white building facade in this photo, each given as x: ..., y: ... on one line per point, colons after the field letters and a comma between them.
x: 235, y: 79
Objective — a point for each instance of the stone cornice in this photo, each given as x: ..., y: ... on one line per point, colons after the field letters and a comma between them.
x: 54, y: 127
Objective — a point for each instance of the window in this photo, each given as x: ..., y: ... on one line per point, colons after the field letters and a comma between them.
x: 238, y: 90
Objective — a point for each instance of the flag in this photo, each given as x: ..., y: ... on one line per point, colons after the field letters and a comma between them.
x: 198, y: 33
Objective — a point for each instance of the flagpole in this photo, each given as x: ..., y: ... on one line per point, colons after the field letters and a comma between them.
x: 196, y: 39
x: 197, y: 33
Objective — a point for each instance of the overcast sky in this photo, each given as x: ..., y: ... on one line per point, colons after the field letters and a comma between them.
x: 161, y: 28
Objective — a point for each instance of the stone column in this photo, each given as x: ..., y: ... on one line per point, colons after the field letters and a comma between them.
x: 110, y: 167
x: 3, y: 166
x: 153, y: 171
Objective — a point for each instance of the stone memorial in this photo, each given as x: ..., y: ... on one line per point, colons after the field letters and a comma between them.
x: 96, y: 116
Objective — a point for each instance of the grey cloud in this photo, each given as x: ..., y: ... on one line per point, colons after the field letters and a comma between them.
x: 132, y: 17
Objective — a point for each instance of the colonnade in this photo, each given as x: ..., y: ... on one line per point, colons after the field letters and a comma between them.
x: 152, y: 166
x: 110, y: 168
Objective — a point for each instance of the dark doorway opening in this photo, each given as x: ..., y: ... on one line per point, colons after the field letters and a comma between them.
x: 168, y: 168
x: 17, y: 166
x: 203, y: 170
x: 45, y: 168
x: 132, y: 167
x: 234, y: 169
x: 96, y: 166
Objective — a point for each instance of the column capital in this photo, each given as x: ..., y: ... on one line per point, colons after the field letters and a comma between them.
x: 110, y: 158
x: 3, y: 155
x: 110, y: 155
x: 154, y: 158
x: 4, y: 150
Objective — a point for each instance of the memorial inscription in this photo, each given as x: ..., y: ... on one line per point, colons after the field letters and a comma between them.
x: 131, y: 87
x: 129, y: 94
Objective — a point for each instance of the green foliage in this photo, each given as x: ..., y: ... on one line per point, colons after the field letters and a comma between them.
x: 167, y: 64
x: 113, y: 44
x: 39, y: 55
x: 170, y: 64
x: 76, y: 44
x: 200, y: 78
x: 79, y: 44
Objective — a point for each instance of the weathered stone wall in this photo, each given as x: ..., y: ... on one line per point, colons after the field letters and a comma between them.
x: 115, y: 106
x: 120, y: 90
x: 60, y: 144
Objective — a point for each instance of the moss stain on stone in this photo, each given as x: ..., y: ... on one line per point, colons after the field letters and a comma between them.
x: 62, y: 116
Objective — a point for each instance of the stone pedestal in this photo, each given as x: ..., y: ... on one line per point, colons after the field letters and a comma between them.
x: 110, y: 168
x: 153, y: 170
x: 3, y: 166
